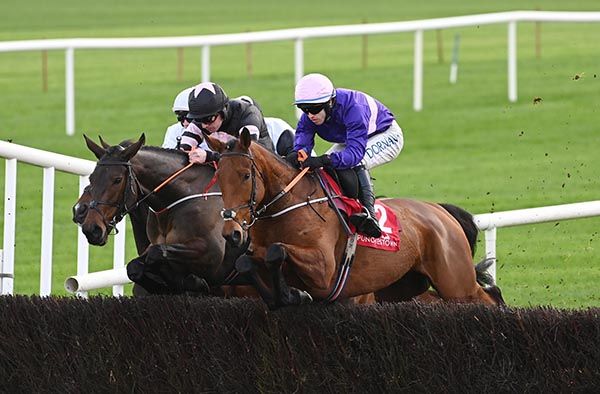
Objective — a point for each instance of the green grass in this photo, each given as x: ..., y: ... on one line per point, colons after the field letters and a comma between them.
x: 469, y: 146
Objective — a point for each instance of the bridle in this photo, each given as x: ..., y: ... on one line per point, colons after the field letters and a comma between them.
x: 120, y: 204
x: 231, y: 213
x: 256, y: 214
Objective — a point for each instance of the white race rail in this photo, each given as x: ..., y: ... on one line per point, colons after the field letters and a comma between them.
x: 489, y: 222
x: 49, y: 162
x: 298, y: 36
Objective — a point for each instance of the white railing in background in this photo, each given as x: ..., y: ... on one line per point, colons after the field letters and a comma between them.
x: 298, y: 36
x: 49, y: 162
x: 489, y: 222
x: 486, y: 222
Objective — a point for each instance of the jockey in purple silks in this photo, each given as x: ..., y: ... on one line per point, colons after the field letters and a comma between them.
x: 364, y: 132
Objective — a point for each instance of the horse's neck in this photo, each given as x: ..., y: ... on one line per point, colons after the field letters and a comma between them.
x: 139, y: 218
x: 277, y: 175
x: 152, y: 168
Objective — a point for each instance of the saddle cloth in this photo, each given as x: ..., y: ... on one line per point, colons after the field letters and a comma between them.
x: 388, y: 222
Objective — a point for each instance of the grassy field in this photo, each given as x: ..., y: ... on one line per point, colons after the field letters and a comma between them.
x: 469, y: 146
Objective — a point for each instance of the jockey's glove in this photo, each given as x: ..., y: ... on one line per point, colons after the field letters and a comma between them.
x: 292, y: 158
x: 316, y: 162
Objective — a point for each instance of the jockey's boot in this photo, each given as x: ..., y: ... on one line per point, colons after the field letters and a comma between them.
x: 365, y: 222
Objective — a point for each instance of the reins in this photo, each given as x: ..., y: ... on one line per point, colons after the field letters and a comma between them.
x: 163, y: 184
x: 123, y: 210
x: 231, y: 213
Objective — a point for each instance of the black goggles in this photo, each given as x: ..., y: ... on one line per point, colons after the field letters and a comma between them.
x: 312, y: 108
x: 181, y: 115
x: 205, y: 120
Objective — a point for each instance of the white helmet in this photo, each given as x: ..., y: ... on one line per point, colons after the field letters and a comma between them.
x: 181, y: 100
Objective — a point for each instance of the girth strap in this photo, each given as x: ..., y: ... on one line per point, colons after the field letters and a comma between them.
x: 344, y: 271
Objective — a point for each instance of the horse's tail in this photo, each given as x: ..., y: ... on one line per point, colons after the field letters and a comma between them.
x: 483, y: 277
x: 486, y: 281
x: 465, y: 219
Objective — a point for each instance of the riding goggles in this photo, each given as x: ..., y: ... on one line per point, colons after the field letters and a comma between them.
x: 181, y: 115
x: 205, y: 120
x: 312, y: 108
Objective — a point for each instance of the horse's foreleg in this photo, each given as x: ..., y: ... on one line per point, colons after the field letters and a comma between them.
x: 247, y: 265
x: 159, y: 272
x: 139, y: 273
x: 285, y: 294
x: 195, y: 251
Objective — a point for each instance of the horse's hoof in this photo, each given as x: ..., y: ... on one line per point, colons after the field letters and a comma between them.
x: 244, y: 264
x: 195, y: 284
x: 305, y: 298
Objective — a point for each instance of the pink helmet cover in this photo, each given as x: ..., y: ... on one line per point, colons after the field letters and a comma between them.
x: 313, y: 89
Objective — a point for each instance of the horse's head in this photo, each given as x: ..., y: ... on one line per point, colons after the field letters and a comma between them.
x: 241, y: 183
x: 110, y: 192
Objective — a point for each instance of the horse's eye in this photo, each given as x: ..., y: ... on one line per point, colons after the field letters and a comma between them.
x: 246, y: 177
x: 117, y: 180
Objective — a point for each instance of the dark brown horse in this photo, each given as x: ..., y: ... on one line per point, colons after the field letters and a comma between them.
x: 295, y: 254
x: 183, y: 249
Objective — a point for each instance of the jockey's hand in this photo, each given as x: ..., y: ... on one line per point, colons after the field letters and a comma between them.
x: 197, y: 156
x: 316, y: 162
x: 292, y: 158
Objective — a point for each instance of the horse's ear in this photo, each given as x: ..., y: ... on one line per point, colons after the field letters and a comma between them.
x: 214, y: 143
x: 132, y: 149
x: 245, y: 138
x: 96, y: 149
x: 104, y: 144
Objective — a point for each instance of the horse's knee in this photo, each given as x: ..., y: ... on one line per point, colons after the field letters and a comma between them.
x: 151, y: 282
x: 135, y: 270
x: 155, y: 254
x: 276, y: 254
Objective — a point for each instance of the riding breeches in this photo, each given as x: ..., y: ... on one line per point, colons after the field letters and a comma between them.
x: 381, y: 148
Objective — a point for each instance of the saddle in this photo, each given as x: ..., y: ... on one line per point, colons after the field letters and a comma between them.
x: 342, y: 185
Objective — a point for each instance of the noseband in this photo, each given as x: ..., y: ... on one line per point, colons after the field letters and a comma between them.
x: 121, y: 205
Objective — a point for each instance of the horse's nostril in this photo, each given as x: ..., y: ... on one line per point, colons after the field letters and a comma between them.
x: 79, y: 213
x: 236, y: 237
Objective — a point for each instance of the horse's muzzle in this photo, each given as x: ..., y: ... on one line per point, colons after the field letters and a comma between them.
x: 233, y: 234
x: 235, y: 238
x: 95, y: 234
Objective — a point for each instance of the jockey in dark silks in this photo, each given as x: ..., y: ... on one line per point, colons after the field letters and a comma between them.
x: 364, y: 132
x: 210, y: 110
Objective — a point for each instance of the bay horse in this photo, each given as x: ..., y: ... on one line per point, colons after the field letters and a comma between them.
x: 182, y: 249
x: 296, y: 248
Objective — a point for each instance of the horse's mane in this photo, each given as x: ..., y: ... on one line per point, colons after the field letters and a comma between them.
x: 113, y: 151
x: 268, y: 152
x: 183, y: 156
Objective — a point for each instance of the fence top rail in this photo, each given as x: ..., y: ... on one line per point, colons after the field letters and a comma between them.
x: 72, y: 165
x: 486, y: 221
x: 299, y: 33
